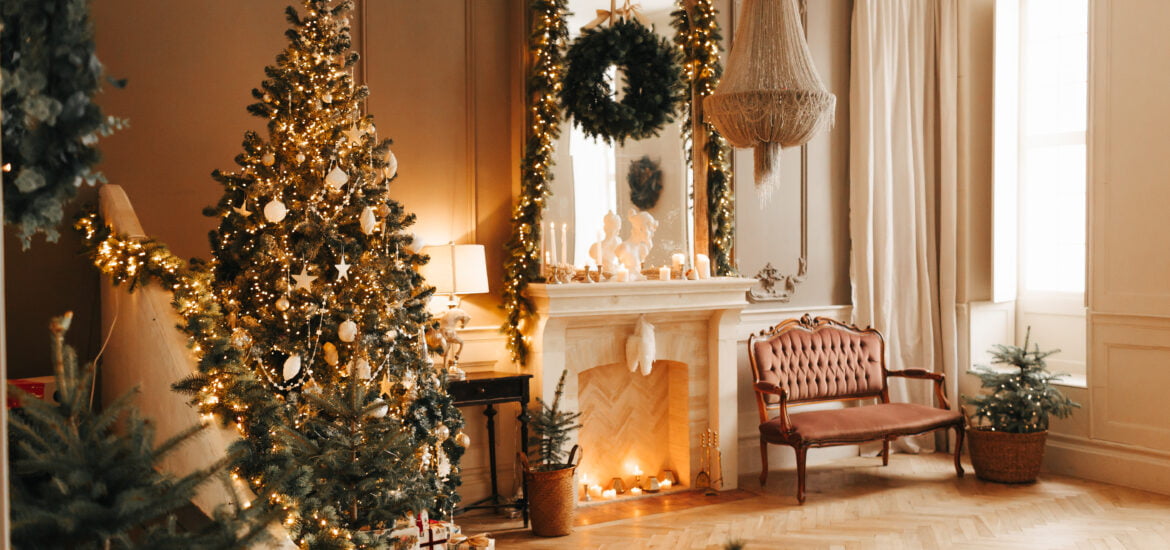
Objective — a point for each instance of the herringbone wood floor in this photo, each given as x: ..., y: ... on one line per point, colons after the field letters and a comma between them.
x: 915, y: 502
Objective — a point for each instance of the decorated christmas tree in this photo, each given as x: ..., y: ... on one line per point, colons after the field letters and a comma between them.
x: 87, y: 479
x: 346, y: 420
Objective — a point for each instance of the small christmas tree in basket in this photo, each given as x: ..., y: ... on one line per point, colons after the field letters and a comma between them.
x: 1010, y: 424
x: 548, y: 475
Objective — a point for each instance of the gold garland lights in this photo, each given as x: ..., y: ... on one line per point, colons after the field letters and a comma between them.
x: 547, y: 35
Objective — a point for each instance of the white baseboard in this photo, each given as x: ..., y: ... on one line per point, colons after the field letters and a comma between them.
x: 1108, y: 462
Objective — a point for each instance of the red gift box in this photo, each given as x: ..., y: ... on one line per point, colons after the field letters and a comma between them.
x: 36, y: 387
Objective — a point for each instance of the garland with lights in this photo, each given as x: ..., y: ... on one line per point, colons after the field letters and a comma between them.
x: 697, y: 36
x: 547, y: 34
x: 649, y: 95
x: 346, y: 423
x: 51, y: 124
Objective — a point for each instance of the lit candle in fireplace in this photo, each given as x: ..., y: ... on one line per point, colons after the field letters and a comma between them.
x: 609, y: 494
x: 665, y: 484
x: 595, y: 491
x: 636, y: 491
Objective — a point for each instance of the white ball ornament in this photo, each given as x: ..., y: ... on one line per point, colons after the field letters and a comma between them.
x: 391, y: 335
x: 363, y: 369
x: 300, y: 158
x: 347, y: 331
x: 381, y: 410
x: 275, y: 211
x: 336, y: 178
x: 391, y: 168
x: 442, y: 432
x: 268, y: 159
x: 282, y: 303
x: 327, y: 98
x: 292, y: 367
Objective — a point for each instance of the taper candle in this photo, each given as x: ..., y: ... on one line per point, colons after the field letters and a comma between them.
x: 552, y: 238
x: 564, y: 246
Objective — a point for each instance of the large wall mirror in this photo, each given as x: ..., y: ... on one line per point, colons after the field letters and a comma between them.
x: 592, y: 177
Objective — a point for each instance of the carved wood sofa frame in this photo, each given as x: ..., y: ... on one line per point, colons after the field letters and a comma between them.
x: 807, y: 360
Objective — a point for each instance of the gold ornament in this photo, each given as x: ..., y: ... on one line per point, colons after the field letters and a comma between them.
x: 330, y: 352
x: 300, y: 158
x: 241, y: 339
x: 462, y: 439
x: 442, y: 432
x: 268, y: 159
x: 282, y: 303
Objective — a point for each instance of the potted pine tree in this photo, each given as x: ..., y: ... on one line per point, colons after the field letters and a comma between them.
x: 548, y: 474
x: 1010, y: 424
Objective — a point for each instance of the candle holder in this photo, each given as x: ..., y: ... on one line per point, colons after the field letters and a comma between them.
x: 671, y: 476
x: 585, y: 492
x: 618, y: 485
x: 652, y: 485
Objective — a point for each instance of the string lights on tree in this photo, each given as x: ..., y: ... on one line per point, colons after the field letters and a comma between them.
x: 303, y: 323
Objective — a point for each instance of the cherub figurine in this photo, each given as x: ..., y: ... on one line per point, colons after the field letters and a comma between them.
x: 605, y: 251
x: 634, y: 251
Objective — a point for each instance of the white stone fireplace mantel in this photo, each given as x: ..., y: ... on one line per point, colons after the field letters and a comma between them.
x: 581, y: 325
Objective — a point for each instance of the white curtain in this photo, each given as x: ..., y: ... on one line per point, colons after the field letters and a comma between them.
x: 903, y: 185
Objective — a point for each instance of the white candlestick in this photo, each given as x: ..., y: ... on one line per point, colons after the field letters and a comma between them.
x: 676, y: 261
x: 622, y: 275
x: 664, y: 273
x: 543, y: 254
x: 703, y: 266
x: 564, y: 247
x: 552, y: 238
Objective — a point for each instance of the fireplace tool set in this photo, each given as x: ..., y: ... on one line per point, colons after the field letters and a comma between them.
x: 710, y: 476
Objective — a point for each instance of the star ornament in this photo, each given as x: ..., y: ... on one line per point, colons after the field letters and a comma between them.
x: 304, y: 280
x: 342, y: 269
x: 242, y: 210
x: 354, y: 135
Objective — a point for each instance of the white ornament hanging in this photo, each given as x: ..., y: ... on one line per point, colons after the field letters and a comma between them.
x: 268, y: 159
x: 444, y: 467
x: 300, y: 158
x: 275, y: 211
x: 282, y: 303
x: 342, y: 269
x: 354, y: 135
x: 304, y: 280
x: 292, y: 367
x: 241, y: 339
x: 330, y: 352
x: 362, y: 369
x: 442, y: 432
x: 336, y: 178
x: 242, y: 210
x: 391, y: 168
x: 327, y: 98
x: 381, y: 410
x: 368, y: 220
x: 347, y: 331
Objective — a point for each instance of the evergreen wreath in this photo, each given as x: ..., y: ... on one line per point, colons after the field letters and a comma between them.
x: 645, y: 178
x: 652, y: 82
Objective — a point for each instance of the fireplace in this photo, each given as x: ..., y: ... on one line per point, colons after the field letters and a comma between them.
x: 634, y: 422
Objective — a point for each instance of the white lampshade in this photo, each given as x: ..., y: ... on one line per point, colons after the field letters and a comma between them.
x: 456, y: 268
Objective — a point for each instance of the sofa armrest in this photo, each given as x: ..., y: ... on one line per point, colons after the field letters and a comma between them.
x: 923, y: 374
x: 770, y: 388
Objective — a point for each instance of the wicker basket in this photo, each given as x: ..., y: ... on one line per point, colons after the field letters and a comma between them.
x: 1006, y: 457
x: 552, y: 497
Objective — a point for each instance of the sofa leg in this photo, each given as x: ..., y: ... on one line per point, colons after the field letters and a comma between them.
x: 959, y: 434
x: 801, y: 455
x: 886, y: 452
x: 763, y: 462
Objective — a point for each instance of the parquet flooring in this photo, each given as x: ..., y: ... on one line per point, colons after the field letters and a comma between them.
x: 914, y: 503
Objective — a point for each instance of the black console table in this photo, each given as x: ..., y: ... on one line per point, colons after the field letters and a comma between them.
x: 488, y: 389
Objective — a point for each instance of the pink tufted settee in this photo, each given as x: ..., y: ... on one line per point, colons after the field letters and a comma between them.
x: 810, y: 360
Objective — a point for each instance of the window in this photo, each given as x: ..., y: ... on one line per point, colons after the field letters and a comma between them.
x: 1041, y: 105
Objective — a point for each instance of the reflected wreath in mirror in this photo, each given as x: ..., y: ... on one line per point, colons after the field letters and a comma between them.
x: 645, y: 178
x: 651, y: 91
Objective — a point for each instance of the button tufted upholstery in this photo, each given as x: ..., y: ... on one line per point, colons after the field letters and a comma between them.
x: 809, y: 360
x: 826, y: 363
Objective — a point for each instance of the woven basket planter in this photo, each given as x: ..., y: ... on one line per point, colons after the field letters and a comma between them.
x: 552, y: 497
x: 1006, y: 457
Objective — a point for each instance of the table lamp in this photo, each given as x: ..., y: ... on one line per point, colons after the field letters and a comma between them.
x: 455, y: 270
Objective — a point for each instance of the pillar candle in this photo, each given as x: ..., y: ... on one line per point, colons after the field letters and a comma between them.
x: 595, y: 491
x: 609, y: 494
x: 622, y: 275
x: 703, y: 266
x: 552, y: 238
x: 564, y: 246
x: 636, y: 491
x: 665, y: 484
x: 664, y: 273
x: 676, y: 261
